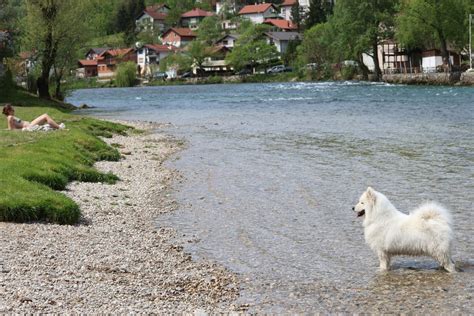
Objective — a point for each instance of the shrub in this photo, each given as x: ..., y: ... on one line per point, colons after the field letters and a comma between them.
x: 214, y: 80
x: 348, y: 72
x: 126, y: 75
x: 6, y: 84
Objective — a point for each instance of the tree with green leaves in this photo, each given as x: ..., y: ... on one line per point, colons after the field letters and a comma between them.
x: 178, y: 7
x: 54, y: 29
x: 425, y: 23
x: 317, y: 45
x: 198, y: 52
x: 10, y: 13
x: 251, y: 49
x: 125, y: 18
x: 178, y: 62
x: 360, y: 26
x: 210, y: 30
x: 319, y: 11
x: 126, y: 74
x: 297, y: 15
x: 99, y: 18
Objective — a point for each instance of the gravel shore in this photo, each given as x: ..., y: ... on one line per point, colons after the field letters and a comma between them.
x: 115, y: 260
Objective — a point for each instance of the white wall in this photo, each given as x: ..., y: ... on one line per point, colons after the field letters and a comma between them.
x: 143, y: 58
x: 429, y: 64
x: 256, y: 18
x: 230, y: 42
x: 286, y: 13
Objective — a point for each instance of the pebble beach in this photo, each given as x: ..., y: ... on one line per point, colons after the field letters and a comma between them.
x: 115, y: 260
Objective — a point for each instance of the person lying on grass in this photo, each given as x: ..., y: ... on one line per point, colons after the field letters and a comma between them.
x: 16, y: 123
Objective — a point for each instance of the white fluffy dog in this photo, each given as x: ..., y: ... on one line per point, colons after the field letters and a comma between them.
x: 424, y: 232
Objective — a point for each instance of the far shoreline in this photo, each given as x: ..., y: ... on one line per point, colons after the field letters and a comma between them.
x: 434, y: 79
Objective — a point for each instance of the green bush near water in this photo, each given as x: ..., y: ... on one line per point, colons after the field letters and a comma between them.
x: 126, y: 75
x: 35, y: 164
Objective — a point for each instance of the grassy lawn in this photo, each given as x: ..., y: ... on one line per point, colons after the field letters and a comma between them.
x: 34, y: 165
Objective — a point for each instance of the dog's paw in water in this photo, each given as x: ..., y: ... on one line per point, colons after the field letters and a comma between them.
x: 426, y: 231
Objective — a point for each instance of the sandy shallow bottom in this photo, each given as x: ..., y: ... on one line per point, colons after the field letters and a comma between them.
x: 115, y: 260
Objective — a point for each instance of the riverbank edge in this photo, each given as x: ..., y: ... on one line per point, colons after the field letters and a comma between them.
x: 115, y: 259
x: 434, y: 79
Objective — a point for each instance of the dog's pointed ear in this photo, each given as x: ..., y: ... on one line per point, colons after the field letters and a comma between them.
x: 371, y: 194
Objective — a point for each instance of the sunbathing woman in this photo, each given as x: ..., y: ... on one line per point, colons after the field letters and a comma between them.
x: 16, y: 123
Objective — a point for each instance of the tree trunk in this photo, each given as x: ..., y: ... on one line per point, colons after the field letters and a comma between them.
x: 43, y: 88
x: 378, y: 72
x: 444, y: 51
x: 49, y: 53
x: 57, y: 93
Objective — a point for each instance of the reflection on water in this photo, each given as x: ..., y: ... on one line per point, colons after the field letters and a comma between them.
x: 273, y: 170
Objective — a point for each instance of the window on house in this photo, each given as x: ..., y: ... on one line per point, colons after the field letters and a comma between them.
x: 226, y: 42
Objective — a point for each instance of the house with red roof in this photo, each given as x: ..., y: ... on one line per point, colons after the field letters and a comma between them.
x: 107, y: 61
x: 280, y: 25
x: 150, y: 55
x: 257, y: 13
x: 86, y: 68
x: 191, y: 19
x: 153, y: 17
x: 178, y: 36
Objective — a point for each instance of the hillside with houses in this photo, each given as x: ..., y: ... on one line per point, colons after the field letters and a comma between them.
x: 278, y: 31
x: 170, y: 39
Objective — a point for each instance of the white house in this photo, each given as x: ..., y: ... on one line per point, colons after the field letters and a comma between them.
x: 153, y: 17
x: 285, y: 9
x: 286, y: 6
x: 257, y: 13
x: 228, y: 41
x: 149, y: 56
x: 229, y: 25
x: 282, y: 39
x: 219, y: 6
x: 432, y: 60
x: 228, y: 5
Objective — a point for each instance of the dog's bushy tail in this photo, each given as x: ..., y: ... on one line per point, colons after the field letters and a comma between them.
x: 433, y: 211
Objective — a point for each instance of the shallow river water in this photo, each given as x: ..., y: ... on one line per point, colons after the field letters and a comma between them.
x: 273, y: 170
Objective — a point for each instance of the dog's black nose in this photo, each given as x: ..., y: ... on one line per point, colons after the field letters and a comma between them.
x: 353, y: 208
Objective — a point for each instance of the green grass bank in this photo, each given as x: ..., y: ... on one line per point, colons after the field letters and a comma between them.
x: 35, y: 165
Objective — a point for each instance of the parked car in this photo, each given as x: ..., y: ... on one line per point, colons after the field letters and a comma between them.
x: 244, y: 71
x: 276, y: 69
x: 160, y: 75
x: 351, y: 63
x: 187, y: 74
x: 312, y: 66
x: 279, y: 69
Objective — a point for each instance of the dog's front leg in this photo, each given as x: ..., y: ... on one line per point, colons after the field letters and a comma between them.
x: 384, y: 259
